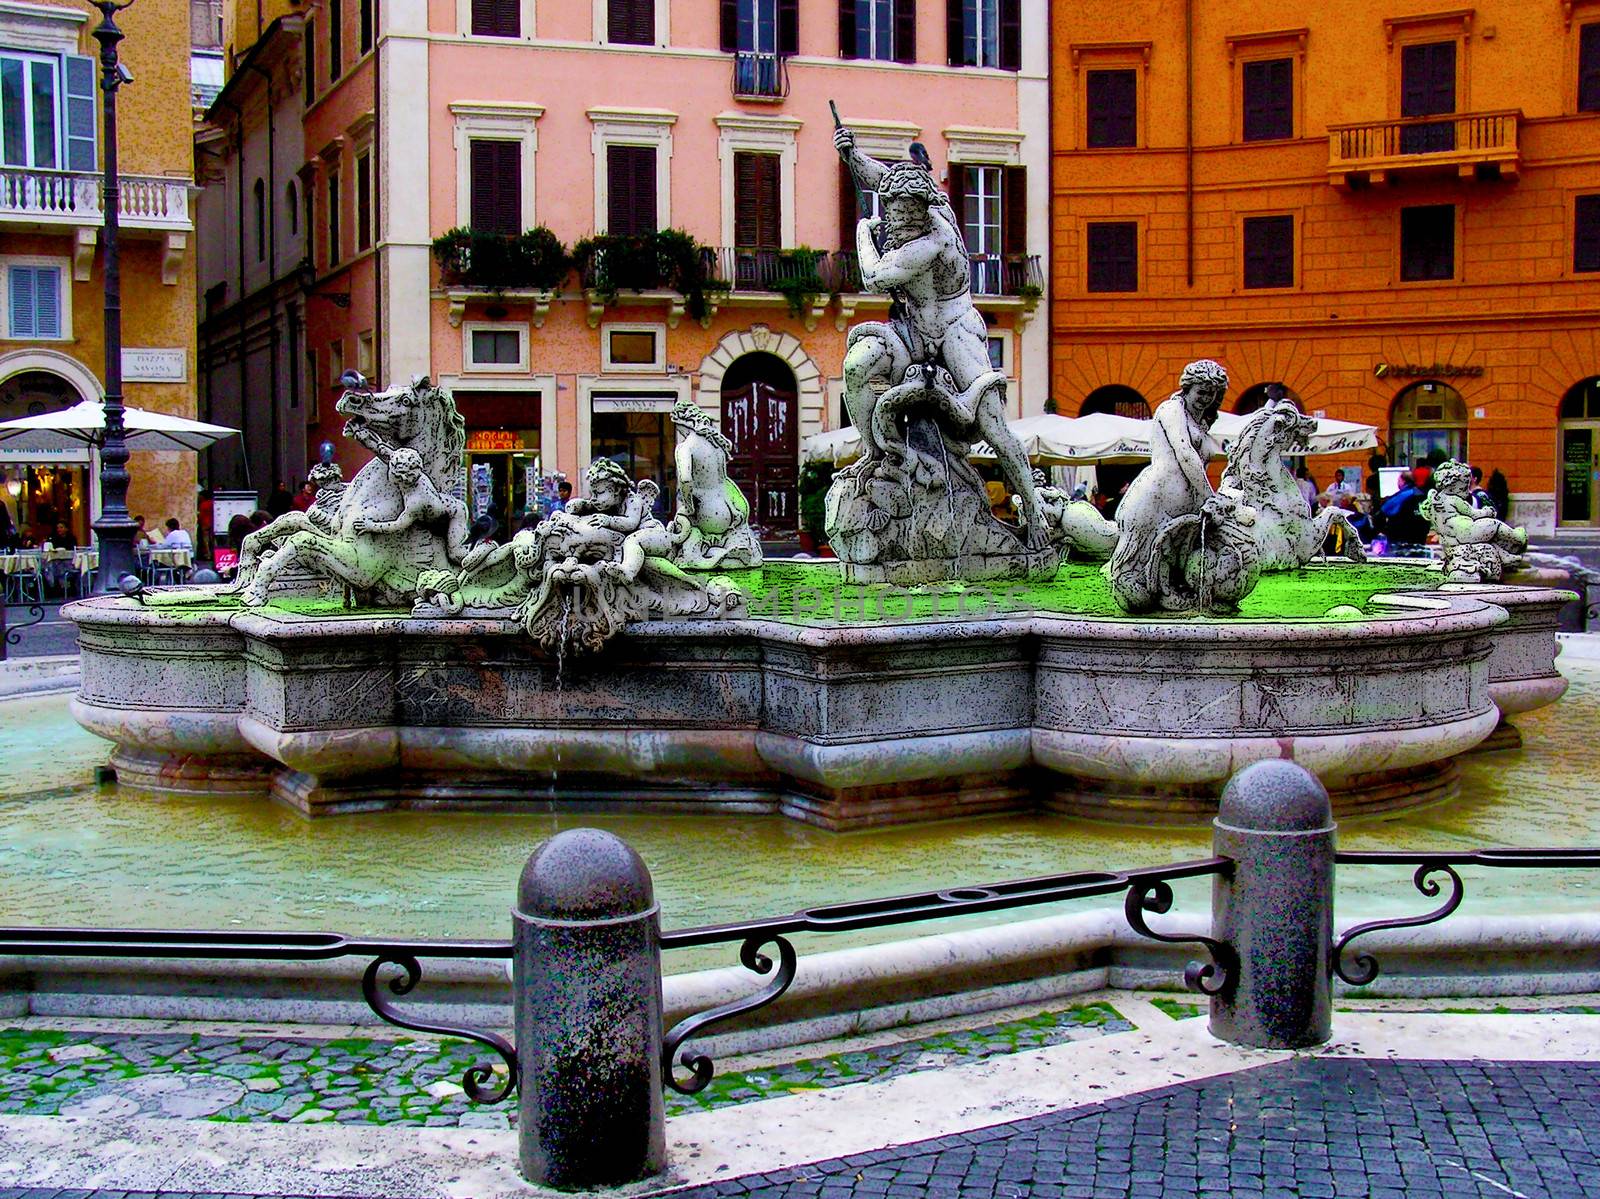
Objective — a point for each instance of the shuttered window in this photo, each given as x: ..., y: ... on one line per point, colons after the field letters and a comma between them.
x: 757, y: 205
x: 335, y: 242
x: 335, y: 38
x: 309, y: 68
x: 885, y: 30
x: 363, y: 202
x: 631, y: 22
x: 1428, y: 242
x: 496, y: 185
x: 1112, y: 106
x: 1586, y: 234
x: 1589, y: 68
x: 1014, y: 221
x: 1268, y: 99
x: 1114, y: 256
x: 33, y: 301
x: 631, y: 190
x: 496, y: 18
x: 1269, y: 251
x: 366, y: 25
x: 984, y: 33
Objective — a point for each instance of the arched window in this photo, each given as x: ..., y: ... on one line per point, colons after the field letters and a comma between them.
x: 291, y: 202
x: 1116, y: 399
x: 1253, y: 399
x: 1582, y: 401
x: 261, y: 220
x: 1578, y: 453
x: 1428, y: 420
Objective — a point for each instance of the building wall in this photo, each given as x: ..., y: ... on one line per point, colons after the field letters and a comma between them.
x: 1515, y: 307
x: 157, y: 264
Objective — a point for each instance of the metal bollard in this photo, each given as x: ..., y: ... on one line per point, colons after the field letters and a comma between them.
x: 587, y: 998
x: 1276, y: 910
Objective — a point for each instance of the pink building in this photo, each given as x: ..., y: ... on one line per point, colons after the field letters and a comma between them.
x: 622, y: 118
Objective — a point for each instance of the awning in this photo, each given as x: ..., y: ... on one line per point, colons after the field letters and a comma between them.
x: 85, y: 424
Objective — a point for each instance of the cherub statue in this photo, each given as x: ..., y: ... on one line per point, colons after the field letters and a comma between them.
x: 1477, y: 545
x: 1076, y: 523
x: 421, y: 502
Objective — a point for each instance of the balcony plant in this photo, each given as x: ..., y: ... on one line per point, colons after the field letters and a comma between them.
x: 497, y: 262
x: 799, y: 279
x: 667, y: 258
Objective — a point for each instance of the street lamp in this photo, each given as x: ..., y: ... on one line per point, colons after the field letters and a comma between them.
x: 115, y: 527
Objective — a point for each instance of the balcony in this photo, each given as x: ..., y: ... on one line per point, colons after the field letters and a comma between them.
x: 74, y: 198
x: 759, y: 75
x: 1473, y: 145
x: 994, y: 276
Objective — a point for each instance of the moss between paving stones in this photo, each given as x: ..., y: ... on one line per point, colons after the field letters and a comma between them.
x: 1176, y: 1008
x: 373, y: 1081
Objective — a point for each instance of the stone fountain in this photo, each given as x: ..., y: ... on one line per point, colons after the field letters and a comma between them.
x: 367, y: 657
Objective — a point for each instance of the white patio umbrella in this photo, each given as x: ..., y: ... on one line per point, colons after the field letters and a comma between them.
x: 1055, y: 440
x: 1332, y: 436
x: 85, y: 424
x: 837, y: 446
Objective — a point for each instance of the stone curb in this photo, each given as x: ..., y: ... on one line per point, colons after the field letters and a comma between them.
x: 39, y: 676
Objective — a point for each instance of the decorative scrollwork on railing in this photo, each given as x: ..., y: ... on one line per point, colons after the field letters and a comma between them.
x: 700, y: 1066
x: 1155, y: 895
x: 478, y: 1082
x: 35, y: 615
x: 1366, y: 966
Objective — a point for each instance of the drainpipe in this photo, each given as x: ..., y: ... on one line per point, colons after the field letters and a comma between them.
x: 270, y: 217
x: 1188, y: 136
x: 376, y: 197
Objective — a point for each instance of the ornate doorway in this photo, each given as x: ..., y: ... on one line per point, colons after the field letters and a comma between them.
x: 761, y: 416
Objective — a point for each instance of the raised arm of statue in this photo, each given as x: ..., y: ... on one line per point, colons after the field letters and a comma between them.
x: 867, y: 172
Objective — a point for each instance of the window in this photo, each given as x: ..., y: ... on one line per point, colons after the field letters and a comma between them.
x: 1586, y: 234
x: 1428, y: 242
x: 1113, y: 256
x: 333, y: 220
x: 1112, y: 107
x: 885, y: 30
x: 1269, y: 251
x: 28, y: 110
x: 980, y: 226
x: 364, y: 355
x: 630, y: 189
x: 309, y: 72
x: 34, y: 303
x: 260, y: 199
x: 335, y: 39
x: 335, y: 361
x: 498, y: 347
x: 1589, y: 68
x: 631, y: 22
x: 633, y: 348
x: 363, y: 201
x: 496, y: 185
x: 635, y: 431
x: 291, y: 205
x: 366, y: 25
x: 1428, y: 420
x: 766, y: 27
x: 984, y: 33
x: 1268, y: 99
x: 757, y: 201
x: 1428, y: 87
x: 496, y: 18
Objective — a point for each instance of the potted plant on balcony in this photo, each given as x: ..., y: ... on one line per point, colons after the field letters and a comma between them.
x: 497, y: 262
x: 668, y: 258
x: 799, y: 278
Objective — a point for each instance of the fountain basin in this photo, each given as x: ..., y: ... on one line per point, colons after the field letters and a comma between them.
x: 839, y: 725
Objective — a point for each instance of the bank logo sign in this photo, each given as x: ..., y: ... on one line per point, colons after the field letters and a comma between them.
x: 1439, y: 370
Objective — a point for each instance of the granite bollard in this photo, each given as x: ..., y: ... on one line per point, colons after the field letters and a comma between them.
x: 1276, y: 909
x: 587, y: 1001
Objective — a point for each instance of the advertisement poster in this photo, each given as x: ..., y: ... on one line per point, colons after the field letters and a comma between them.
x: 482, y: 488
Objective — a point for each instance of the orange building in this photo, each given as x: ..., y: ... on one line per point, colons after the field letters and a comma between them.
x: 1391, y: 208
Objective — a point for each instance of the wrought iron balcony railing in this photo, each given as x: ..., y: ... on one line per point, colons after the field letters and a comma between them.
x: 75, y: 198
x: 795, y: 270
x: 1470, y: 143
x: 996, y: 275
x: 760, y: 75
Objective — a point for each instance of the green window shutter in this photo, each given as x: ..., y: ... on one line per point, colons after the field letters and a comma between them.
x: 80, y: 125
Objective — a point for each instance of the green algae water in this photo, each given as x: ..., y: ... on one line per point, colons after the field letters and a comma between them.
x: 73, y: 852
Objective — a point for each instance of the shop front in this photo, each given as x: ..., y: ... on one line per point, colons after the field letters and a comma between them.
x: 504, y: 479
x: 634, y: 430
x: 42, y: 490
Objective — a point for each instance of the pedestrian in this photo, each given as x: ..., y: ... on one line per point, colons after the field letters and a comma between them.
x: 1421, y: 473
x: 57, y: 571
x: 1308, y: 487
x: 239, y: 527
x: 9, y: 537
x: 305, y: 497
x: 176, y: 538
x: 260, y: 519
x: 1342, y: 484
x: 1480, y: 497
x: 141, y: 535
x: 280, y: 501
x: 563, y: 496
x: 1403, y: 523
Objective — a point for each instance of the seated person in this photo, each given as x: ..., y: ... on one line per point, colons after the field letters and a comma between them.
x: 176, y: 538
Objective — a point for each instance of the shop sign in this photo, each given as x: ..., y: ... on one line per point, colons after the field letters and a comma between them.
x: 154, y: 365
x: 1439, y: 370
x: 656, y: 403
x: 481, y: 440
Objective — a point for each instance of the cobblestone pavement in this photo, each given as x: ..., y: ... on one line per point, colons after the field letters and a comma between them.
x: 1322, y: 1128
x: 415, y: 1082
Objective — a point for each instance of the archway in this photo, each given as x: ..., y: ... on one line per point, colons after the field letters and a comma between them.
x: 1253, y: 399
x: 761, y: 417
x: 50, y: 486
x: 1578, y: 455
x: 1428, y: 420
x: 1112, y: 478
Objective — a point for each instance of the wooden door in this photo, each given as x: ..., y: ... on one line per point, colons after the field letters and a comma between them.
x: 763, y: 422
x: 1428, y: 86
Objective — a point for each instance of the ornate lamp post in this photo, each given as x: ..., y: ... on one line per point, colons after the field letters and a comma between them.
x: 115, y: 527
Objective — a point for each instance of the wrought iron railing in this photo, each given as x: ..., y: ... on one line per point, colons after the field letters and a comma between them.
x: 760, y: 75
x: 992, y: 274
x: 75, y: 197
x: 749, y: 270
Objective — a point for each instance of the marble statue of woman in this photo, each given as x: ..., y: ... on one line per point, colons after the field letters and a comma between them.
x: 1181, y: 547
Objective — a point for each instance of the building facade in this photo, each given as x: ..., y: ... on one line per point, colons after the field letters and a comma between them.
x: 51, y: 253
x: 609, y: 124
x: 1388, y: 208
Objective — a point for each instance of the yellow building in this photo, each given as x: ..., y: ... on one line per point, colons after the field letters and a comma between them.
x: 52, y: 329
x: 1389, y: 208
